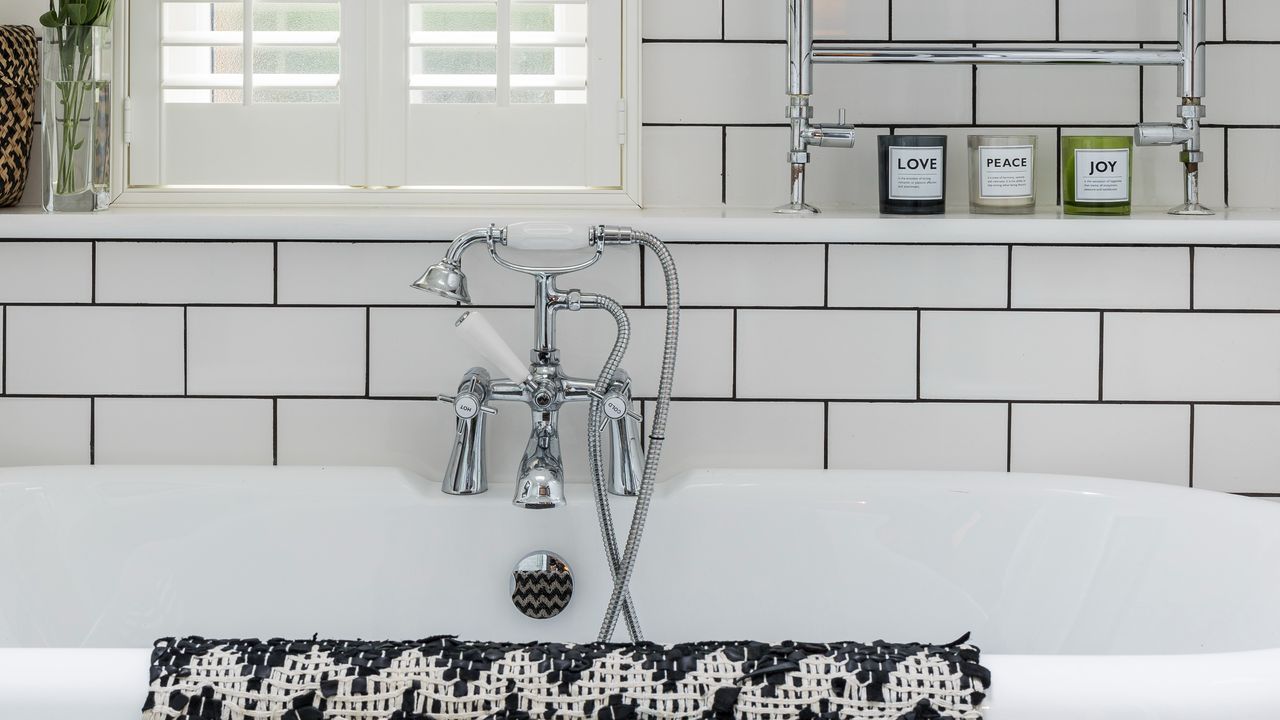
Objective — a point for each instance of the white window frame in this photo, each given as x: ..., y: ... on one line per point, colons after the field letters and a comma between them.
x: 623, y: 195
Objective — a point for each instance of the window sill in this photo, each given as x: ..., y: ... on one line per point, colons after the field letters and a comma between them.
x: 1145, y: 227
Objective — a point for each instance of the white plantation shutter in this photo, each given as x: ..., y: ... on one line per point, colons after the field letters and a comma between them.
x: 376, y: 93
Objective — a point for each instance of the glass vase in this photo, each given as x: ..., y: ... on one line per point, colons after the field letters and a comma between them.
x: 76, y: 118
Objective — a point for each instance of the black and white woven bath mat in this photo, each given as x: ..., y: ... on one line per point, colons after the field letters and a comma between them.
x: 442, y: 678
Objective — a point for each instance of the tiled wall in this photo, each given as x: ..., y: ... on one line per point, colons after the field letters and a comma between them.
x: 1155, y: 363
x: 713, y: 94
x: 714, y: 84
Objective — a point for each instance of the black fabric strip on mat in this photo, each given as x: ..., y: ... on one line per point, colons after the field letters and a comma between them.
x: 194, y: 678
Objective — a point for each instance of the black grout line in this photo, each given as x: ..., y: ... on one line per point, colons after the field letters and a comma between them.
x: 1057, y: 20
x: 1191, y: 280
x: 1008, y: 279
x: 1057, y: 159
x: 1224, y: 20
x: 642, y: 297
x: 1226, y: 166
x: 275, y: 273
x: 92, y: 428
x: 4, y: 348
x: 93, y: 272
x: 1177, y: 402
x: 275, y: 431
x: 724, y: 164
x: 1102, y: 327
x: 826, y: 435
x: 1008, y: 438
x: 973, y: 99
x: 722, y: 8
x: 734, y: 340
x: 919, y: 323
x: 1191, y: 448
x: 826, y: 275
x: 368, y: 312
x: 890, y: 31
x: 185, y: 365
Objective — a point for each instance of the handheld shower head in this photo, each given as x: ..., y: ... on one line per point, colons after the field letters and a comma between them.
x: 447, y: 280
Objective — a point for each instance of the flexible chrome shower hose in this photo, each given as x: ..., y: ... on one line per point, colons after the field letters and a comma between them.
x: 622, y: 568
x: 595, y: 457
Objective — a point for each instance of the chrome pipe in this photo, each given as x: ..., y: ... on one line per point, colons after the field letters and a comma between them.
x: 799, y: 47
x: 852, y: 54
x: 1193, y: 20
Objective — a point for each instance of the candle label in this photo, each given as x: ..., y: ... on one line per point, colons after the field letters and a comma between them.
x: 1006, y: 171
x: 1102, y: 176
x: 915, y: 173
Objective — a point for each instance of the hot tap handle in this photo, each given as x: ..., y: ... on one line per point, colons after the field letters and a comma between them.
x: 840, y: 116
x: 542, y: 235
x: 466, y: 405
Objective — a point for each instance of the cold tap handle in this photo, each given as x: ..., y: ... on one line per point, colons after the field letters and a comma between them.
x: 1148, y: 134
x: 480, y: 335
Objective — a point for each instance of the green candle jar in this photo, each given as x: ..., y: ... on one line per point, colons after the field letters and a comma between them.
x: 1097, y: 174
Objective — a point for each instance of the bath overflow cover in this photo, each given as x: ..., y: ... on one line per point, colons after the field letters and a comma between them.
x: 541, y: 585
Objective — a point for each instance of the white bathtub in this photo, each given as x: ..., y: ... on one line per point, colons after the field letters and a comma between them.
x: 1091, y: 599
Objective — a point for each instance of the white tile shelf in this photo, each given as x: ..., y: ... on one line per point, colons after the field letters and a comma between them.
x: 1145, y: 227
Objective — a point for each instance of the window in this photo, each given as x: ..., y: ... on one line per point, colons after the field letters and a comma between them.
x: 409, y: 97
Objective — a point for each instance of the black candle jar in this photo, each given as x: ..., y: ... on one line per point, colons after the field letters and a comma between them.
x: 913, y: 174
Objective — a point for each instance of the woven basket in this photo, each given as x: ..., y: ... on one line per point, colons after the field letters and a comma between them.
x: 19, y: 77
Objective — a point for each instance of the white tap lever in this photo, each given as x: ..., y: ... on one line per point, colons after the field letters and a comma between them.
x: 480, y: 335
x: 535, y: 235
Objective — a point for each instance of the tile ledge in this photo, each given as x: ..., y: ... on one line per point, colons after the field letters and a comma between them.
x: 1145, y: 227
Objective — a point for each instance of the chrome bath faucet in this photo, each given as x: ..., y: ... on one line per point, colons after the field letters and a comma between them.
x: 541, y: 385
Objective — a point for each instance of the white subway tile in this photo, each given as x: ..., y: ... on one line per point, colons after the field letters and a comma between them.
x: 681, y: 19
x: 357, y: 273
x: 1180, y: 356
x: 1236, y: 448
x: 44, y: 431
x: 184, y: 272
x: 1009, y: 355
x: 740, y: 435
x: 1130, y: 442
x: 823, y: 354
x: 846, y: 20
x: 757, y: 175
x: 1132, y: 20
x: 1241, y: 85
x: 276, y: 351
x: 974, y: 20
x: 102, y: 350
x: 1101, y: 277
x: 713, y: 83
x: 46, y: 272
x: 182, y: 431
x: 918, y: 436
x: 904, y: 94
x: 1237, y: 278
x: 1011, y: 94
x: 1255, y: 174
x: 918, y: 276
x: 1253, y: 20
x: 683, y: 166
x: 742, y: 275
x: 415, y: 352
x: 741, y: 83
x: 413, y: 435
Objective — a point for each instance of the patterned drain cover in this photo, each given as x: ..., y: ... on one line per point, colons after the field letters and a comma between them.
x: 541, y: 585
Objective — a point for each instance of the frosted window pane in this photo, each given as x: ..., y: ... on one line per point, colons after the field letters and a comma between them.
x: 295, y: 17
x: 295, y: 95
x: 530, y: 17
x: 456, y: 61
x: 295, y: 61
x: 464, y: 17
x: 457, y: 97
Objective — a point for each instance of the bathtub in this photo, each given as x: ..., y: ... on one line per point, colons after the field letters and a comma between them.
x: 1091, y: 599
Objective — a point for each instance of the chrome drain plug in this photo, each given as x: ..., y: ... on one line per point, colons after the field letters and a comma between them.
x: 541, y: 585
